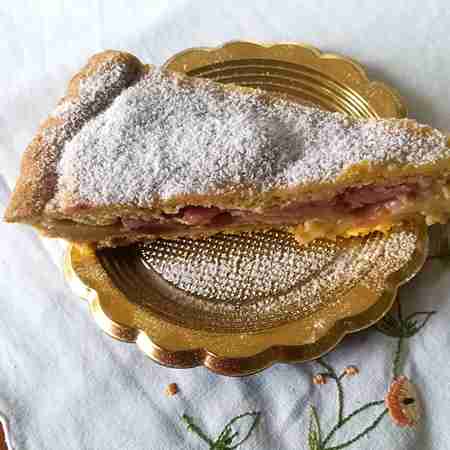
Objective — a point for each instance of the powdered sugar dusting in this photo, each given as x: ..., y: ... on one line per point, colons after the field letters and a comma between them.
x: 267, y: 277
x: 97, y: 87
x: 95, y: 91
x: 248, y: 268
x: 165, y: 136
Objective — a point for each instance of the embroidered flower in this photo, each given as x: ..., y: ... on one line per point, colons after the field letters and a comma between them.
x: 171, y: 389
x: 319, y: 379
x: 351, y: 371
x: 402, y: 402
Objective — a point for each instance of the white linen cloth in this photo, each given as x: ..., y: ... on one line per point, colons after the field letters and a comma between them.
x: 66, y: 385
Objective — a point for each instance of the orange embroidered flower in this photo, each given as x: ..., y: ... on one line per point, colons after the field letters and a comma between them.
x: 402, y: 402
x: 171, y: 389
x: 319, y: 379
x: 351, y: 370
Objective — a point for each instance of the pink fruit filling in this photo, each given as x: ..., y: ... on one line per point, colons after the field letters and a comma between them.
x: 363, y: 204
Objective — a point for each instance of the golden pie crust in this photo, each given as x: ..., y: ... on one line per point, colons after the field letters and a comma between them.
x: 38, y: 199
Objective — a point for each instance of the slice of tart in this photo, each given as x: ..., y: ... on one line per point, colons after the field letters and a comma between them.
x: 133, y: 152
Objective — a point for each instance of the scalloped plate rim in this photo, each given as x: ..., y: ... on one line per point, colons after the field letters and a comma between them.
x: 201, y: 356
x: 242, y: 366
x: 402, y: 108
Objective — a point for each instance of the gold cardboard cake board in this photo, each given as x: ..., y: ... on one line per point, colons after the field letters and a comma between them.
x: 237, y: 304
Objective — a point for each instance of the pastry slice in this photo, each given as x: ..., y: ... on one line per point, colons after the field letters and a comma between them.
x: 133, y: 152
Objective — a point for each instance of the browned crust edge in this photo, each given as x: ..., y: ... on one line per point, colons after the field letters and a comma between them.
x: 37, y: 180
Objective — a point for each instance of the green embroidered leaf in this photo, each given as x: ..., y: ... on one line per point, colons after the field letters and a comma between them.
x: 363, y: 433
x: 225, y: 440
x: 411, y: 326
x: 400, y: 327
x: 254, y: 420
x: 314, y: 431
x: 390, y: 325
x: 346, y: 419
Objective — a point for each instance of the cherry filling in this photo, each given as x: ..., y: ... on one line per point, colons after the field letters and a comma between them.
x: 363, y: 203
x: 197, y: 215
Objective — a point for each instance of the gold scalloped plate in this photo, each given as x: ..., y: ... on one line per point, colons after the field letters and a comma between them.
x: 238, y: 304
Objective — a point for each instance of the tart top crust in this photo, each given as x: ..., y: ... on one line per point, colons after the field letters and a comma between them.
x: 89, y: 92
x: 133, y: 136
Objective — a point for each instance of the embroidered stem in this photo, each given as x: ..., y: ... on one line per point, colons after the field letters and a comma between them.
x: 397, y: 357
x: 191, y: 426
x: 360, y: 435
x: 350, y: 416
x: 397, y: 354
x: 316, y: 420
x: 340, y: 400
x: 340, y: 391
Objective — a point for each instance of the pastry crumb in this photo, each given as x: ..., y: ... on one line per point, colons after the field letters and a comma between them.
x: 171, y: 389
